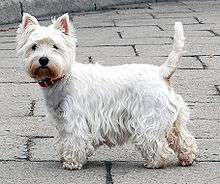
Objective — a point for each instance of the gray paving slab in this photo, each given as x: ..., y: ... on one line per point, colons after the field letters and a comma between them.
x: 195, y: 29
x: 27, y: 126
x: 211, y: 62
x: 10, y: 11
x: 196, y: 82
x: 144, y: 22
x: 12, y: 147
x: 49, y: 172
x: 186, y: 62
x: 14, y: 107
x: 130, y: 173
x: 105, y: 51
x: 7, y: 75
x: 7, y: 54
x: 5, y: 46
x: 200, y: 49
x: 6, y: 63
x: 206, y: 111
x: 21, y: 91
x: 141, y: 32
x: 205, y: 129
x: 6, y: 39
x: 201, y: 98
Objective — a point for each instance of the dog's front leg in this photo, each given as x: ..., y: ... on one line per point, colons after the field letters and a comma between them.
x: 74, y: 137
x: 73, y: 150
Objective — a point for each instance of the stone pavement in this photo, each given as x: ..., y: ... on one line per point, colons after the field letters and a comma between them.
x: 140, y: 33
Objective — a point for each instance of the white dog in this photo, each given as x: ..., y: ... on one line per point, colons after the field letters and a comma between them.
x: 93, y: 104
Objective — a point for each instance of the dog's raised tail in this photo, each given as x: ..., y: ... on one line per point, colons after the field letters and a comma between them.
x: 169, y: 67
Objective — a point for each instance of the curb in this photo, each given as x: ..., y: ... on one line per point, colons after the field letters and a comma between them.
x: 11, y: 10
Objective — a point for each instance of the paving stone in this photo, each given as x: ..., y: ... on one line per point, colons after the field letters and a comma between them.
x: 8, y: 75
x: 6, y: 63
x: 165, y: 15
x: 211, y: 62
x: 40, y: 108
x: 14, y: 107
x: 27, y: 126
x: 7, y: 54
x: 214, y: 6
x: 195, y: 29
x: 11, y: 146
x: 197, y: 82
x: 186, y: 62
x: 5, y: 46
x: 121, y: 42
x: 21, y: 91
x: 200, y: 49
x: 212, y: 41
x: 94, y: 37
x: 44, y: 149
x: 5, y: 39
x: 142, y: 22
x: 50, y: 172
x: 130, y: 173
x: 105, y: 51
x: 206, y: 111
x: 134, y: 11
x: 209, y: 150
x: 205, y: 98
x: 107, y: 17
x: 163, y: 7
x: 144, y: 32
x: 206, y: 129
x: 10, y: 11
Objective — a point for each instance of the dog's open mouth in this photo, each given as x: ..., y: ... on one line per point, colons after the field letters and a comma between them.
x: 42, y: 73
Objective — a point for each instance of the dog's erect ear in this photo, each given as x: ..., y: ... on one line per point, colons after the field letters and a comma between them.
x: 28, y: 20
x: 63, y: 24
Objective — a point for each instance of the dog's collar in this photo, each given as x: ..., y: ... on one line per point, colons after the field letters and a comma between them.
x: 49, y: 82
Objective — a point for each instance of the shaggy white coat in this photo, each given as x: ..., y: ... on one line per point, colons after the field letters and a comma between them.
x: 95, y: 104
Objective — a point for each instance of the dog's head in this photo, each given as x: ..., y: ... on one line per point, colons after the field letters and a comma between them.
x: 47, y: 52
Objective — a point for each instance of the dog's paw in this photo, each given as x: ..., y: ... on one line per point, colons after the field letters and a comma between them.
x: 187, y: 159
x: 156, y: 165
x: 71, y: 165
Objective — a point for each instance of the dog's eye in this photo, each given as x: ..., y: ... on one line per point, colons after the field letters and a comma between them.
x: 34, y: 47
x: 55, y: 47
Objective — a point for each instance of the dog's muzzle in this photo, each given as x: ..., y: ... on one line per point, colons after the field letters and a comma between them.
x: 49, y: 82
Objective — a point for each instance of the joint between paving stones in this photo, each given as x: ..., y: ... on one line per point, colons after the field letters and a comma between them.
x: 119, y: 34
x: 91, y: 59
x: 32, y: 107
x: 135, y: 50
x: 160, y: 28
x: 217, y: 89
x: 204, y: 66
x: 108, y: 165
x: 153, y: 16
x: 199, y: 21
x: 114, y: 23
x: 21, y: 7
x: 26, y: 153
x: 213, y: 32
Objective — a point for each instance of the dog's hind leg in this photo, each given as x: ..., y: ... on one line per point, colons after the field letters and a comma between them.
x: 180, y: 139
x: 155, y: 153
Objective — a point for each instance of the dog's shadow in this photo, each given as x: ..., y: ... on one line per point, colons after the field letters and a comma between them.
x: 121, y: 165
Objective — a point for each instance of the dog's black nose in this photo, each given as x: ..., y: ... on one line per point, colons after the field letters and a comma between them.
x: 43, y: 61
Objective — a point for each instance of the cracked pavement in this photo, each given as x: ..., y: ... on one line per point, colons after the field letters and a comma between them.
x: 138, y: 33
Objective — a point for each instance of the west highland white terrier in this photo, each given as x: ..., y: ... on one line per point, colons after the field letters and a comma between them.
x: 93, y: 104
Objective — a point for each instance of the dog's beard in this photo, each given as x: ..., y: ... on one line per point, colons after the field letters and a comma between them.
x: 41, y: 73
